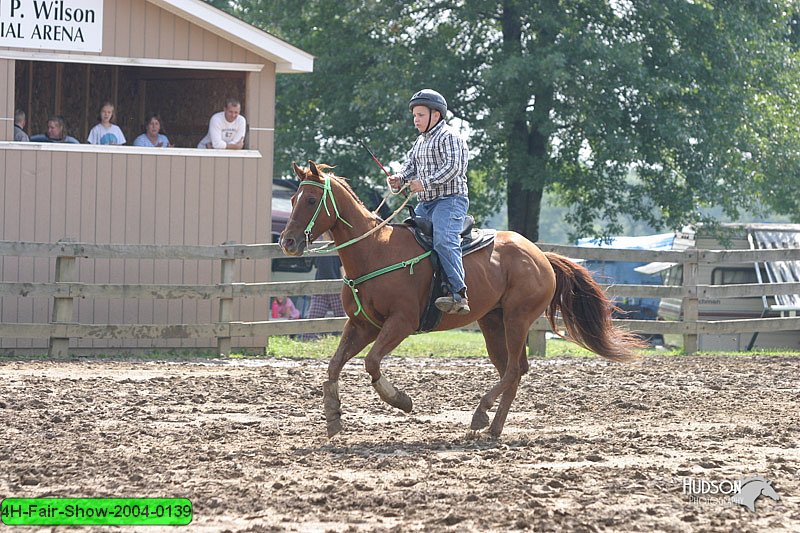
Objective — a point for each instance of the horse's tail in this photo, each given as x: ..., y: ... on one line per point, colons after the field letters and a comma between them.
x: 586, y: 311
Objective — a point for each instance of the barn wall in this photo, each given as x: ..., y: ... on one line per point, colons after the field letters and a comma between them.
x: 130, y: 198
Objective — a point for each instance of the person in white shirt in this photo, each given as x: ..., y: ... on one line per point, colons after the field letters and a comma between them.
x: 226, y: 129
x: 105, y: 132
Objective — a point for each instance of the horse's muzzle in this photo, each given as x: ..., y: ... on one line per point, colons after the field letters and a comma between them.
x: 292, y: 246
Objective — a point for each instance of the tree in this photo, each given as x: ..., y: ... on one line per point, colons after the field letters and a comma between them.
x: 350, y: 96
x: 580, y: 93
x: 654, y: 109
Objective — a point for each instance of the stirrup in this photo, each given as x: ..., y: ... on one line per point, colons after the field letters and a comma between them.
x: 461, y: 308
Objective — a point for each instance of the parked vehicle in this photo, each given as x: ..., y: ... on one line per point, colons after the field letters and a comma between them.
x: 625, y: 273
x: 737, y: 237
x: 289, y: 268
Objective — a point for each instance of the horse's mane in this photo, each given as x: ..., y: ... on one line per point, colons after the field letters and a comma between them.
x: 748, y: 480
x: 341, y: 180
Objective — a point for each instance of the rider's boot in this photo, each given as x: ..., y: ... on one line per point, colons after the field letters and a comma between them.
x: 454, y: 303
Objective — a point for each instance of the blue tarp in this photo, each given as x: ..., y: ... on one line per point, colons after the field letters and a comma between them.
x: 661, y: 241
x: 623, y: 273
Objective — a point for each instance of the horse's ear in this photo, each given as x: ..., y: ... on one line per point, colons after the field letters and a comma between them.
x: 313, y: 167
x: 299, y: 171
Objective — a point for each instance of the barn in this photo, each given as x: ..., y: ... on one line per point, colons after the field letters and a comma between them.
x: 181, y: 59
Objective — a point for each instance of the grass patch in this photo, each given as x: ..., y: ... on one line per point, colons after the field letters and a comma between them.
x: 435, y: 344
x: 453, y: 343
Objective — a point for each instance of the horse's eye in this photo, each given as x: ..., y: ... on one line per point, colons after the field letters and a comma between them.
x: 311, y: 200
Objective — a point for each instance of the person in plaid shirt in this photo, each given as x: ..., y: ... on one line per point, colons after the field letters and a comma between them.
x: 436, y: 169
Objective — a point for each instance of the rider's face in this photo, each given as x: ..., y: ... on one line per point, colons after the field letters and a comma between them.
x: 421, y: 115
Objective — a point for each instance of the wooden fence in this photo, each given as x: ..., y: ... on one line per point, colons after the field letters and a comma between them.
x: 64, y: 289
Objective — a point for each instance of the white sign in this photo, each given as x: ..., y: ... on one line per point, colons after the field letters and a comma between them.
x: 75, y: 25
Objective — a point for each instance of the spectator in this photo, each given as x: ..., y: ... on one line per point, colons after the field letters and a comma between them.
x: 105, y: 132
x: 152, y: 136
x: 286, y: 308
x: 19, y: 126
x: 56, y: 132
x: 226, y: 129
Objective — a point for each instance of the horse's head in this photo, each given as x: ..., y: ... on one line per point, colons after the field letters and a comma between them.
x: 751, y: 489
x: 314, y: 209
x: 769, y: 491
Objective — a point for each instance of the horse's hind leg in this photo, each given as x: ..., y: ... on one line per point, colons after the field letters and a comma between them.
x: 511, y: 344
x: 516, y: 328
x: 354, y: 339
x: 503, y: 408
x: 494, y: 334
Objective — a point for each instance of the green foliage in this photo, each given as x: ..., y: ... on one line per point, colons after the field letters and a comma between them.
x: 225, y: 5
x: 357, y: 91
x: 695, y: 100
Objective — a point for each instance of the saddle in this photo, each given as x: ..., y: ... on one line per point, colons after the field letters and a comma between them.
x: 472, y: 240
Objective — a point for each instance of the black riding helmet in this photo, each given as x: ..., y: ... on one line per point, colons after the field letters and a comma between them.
x: 430, y: 99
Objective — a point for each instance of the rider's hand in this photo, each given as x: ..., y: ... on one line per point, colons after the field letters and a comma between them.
x: 395, y: 182
x: 416, y: 186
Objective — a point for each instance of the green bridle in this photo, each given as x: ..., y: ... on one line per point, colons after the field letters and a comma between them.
x: 327, y: 192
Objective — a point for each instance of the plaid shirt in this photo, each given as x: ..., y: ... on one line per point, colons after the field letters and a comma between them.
x: 438, y: 160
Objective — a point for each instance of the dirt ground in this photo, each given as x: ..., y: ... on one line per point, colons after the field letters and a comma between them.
x: 588, y: 446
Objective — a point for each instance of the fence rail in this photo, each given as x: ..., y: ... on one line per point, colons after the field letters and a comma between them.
x: 64, y: 289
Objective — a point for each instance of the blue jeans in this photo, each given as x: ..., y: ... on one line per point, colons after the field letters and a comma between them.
x: 447, y: 214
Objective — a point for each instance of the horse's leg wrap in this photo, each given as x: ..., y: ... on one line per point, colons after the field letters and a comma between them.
x: 332, y: 406
x: 392, y: 396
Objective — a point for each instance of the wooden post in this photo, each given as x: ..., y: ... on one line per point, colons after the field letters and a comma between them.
x: 226, y: 304
x: 66, y: 271
x: 690, y: 301
x: 537, y: 342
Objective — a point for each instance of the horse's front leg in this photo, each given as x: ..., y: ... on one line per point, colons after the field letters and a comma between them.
x: 394, y: 330
x: 355, y: 338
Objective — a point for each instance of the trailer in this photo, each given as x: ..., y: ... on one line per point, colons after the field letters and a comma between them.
x: 753, y: 236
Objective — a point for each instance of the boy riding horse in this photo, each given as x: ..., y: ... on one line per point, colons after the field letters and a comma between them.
x: 436, y: 169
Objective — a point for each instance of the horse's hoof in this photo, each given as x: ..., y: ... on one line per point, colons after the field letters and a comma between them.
x: 493, y: 435
x: 471, y: 435
x: 403, y: 402
x: 334, y: 427
x: 479, y: 420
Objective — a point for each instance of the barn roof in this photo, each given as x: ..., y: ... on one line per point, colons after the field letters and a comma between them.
x: 286, y: 57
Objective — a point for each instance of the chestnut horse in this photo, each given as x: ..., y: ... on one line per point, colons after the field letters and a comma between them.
x: 510, y: 285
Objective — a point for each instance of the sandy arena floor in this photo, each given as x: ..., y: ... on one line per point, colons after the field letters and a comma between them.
x: 588, y: 446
